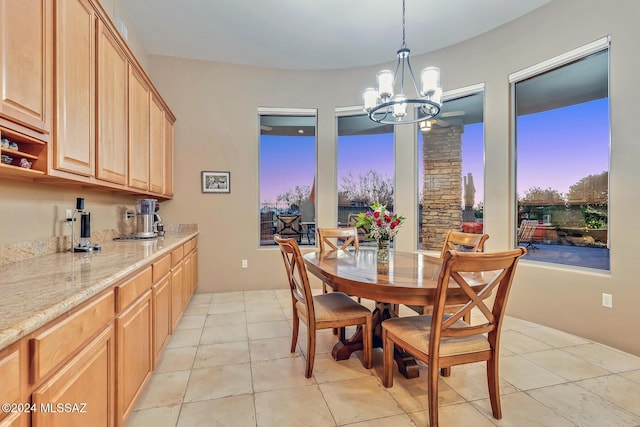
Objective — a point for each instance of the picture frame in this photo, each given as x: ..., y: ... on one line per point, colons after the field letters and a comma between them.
x: 216, y: 182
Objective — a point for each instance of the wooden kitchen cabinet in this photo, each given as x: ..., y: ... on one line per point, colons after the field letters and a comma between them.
x: 156, y: 146
x: 13, y: 376
x: 138, y: 131
x: 112, y: 108
x: 86, y: 384
x: 161, y: 304
x: 74, y: 53
x: 168, y: 155
x: 26, y: 38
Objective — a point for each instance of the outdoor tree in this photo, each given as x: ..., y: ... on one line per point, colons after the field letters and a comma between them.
x: 368, y: 187
x: 592, y: 189
x: 547, y: 196
x: 295, y: 195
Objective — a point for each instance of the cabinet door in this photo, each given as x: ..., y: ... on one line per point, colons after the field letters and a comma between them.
x: 168, y: 156
x: 161, y: 315
x: 86, y: 383
x: 177, y: 290
x: 187, y: 279
x: 74, y: 141
x: 134, y: 354
x: 138, y: 131
x: 156, y: 146
x: 25, y: 61
x: 112, y: 108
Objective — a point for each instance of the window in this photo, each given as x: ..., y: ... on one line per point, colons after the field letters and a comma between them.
x: 287, y: 175
x: 451, y: 168
x: 562, y: 164
x: 365, y: 165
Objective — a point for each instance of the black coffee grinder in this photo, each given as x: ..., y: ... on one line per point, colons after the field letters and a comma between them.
x: 84, y: 243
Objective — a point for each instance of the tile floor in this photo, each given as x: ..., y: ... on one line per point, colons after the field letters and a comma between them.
x: 228, y: 364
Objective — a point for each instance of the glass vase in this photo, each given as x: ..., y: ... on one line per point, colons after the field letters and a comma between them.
x: 383, y: 252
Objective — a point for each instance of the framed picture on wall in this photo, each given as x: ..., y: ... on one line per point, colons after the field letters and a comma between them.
x: 216, y: 182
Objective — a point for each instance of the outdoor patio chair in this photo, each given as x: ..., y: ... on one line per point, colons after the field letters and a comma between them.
x: 443, y: 339
x: 527, y: 232
x: 289, y: 226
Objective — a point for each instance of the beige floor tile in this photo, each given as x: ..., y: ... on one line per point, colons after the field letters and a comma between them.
x: 279, y: 374
x: 553, y: 337
x: 470, y: 381
x: 218, y: 381
x: 226, y: 319
x: 460, y: 414
x: 519, y: 343
x: 526, y: 375
x: 191, y: 322
x: 266, y: 316
x: 176, y: 359
x: 262, y: 295
x: 300, y: 406
x: 606, y: 357
x: 616, y: 388
x: 272, y: 348
x: 164, y: 416
x: 326, y: 369
x: 325, y: 340
x: 520, y: 409
x: 565, y: 364
x: 219, y: 334
x: 228, y: 353
x: 263, y: 330
x: 359, y: 399
x: 236, y: 411
x: 258, y: 305
x: 185, y: 338
x: 392, y: 421
x: 226, y: 307
x: 164, y: 389
x: 582, y: 407
x: 198, y: 298
x: 227, y: 297
x: 284, y: 293
x: 632, y: 375
x: 511, y: 323
x: 193, y: 309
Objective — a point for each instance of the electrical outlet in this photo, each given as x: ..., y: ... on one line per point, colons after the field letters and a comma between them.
x: 607, y: 300
x: 245, y: 263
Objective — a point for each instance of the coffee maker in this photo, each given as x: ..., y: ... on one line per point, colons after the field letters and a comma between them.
x: 148, y: 222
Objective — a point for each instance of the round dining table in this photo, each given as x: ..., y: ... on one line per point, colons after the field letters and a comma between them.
x: 409, y: 278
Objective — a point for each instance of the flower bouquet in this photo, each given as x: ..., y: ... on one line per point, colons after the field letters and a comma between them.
x: 382, y: 226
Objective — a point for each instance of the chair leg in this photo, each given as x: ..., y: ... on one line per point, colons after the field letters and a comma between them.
x: 296, y: 328
x: 432, y: 394
x: 311, y: 352
x: 387, y: 358
x: 493, y: 382
x: 367, y: 343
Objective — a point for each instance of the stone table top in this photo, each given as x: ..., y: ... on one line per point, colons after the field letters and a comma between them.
x: 34, y: 292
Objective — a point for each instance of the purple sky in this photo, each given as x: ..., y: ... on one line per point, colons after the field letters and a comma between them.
x: 547, y: 155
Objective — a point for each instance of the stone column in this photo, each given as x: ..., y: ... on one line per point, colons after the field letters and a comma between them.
x: 442, y: 186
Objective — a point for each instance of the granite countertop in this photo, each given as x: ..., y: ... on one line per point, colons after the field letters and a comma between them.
x: 36, y: 291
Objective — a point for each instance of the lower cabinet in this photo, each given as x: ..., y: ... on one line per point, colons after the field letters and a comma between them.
x: 161, y: 297
x: 177, y: 291
x: 81, y: 393
x: 134, y: 354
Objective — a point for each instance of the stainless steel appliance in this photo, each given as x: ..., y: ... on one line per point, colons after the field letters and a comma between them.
x: 147, y: 218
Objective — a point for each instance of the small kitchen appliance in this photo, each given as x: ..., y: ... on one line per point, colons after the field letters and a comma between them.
x: 147, y: 218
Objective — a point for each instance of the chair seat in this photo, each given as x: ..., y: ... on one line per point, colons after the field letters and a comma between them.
x: 416, y: 330
x: 334, y: 306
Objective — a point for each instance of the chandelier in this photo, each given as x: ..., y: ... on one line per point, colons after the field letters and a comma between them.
x: 387, y: 106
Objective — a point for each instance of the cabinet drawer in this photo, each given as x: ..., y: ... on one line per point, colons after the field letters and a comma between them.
x: 161, y: 268
x: 188, y: 247
x: 177, y: 255
x: 57, y: 343
x: 130, y: 290
x: 10, y: 375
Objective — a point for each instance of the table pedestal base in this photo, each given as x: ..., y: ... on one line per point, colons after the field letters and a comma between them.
x: 345, y: 346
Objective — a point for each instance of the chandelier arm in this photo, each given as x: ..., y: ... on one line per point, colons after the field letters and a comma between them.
x: 413, y: 77
x: 434, y: 110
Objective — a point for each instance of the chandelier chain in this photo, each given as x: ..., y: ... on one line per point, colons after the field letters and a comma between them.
x: 404, y: 45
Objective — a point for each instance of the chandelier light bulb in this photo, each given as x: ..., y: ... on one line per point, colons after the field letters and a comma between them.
x: 430, y: 78
x: 385, y: 84
x: 370, y: 98
x: 399, y: 106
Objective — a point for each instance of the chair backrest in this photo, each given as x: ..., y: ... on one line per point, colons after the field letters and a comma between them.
x: 485, y: 279
x: 296, y: 275
x: 348, y: 235
x: 527, y: 230
x: 289, y: 225
x: 463, y: 242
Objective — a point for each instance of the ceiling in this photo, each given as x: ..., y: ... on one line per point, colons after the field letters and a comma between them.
x: 311, y: 35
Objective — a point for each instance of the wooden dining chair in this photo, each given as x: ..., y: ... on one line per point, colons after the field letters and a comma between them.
x: 443, y: 339
x: 329, y: 240
x: 324, y: 311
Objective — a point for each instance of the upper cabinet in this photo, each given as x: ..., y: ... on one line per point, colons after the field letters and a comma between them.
x: 138, y: 131
x: 113, y: 74
x: 74, y: 137
x: 25, y: 64
x: 78, y: 103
